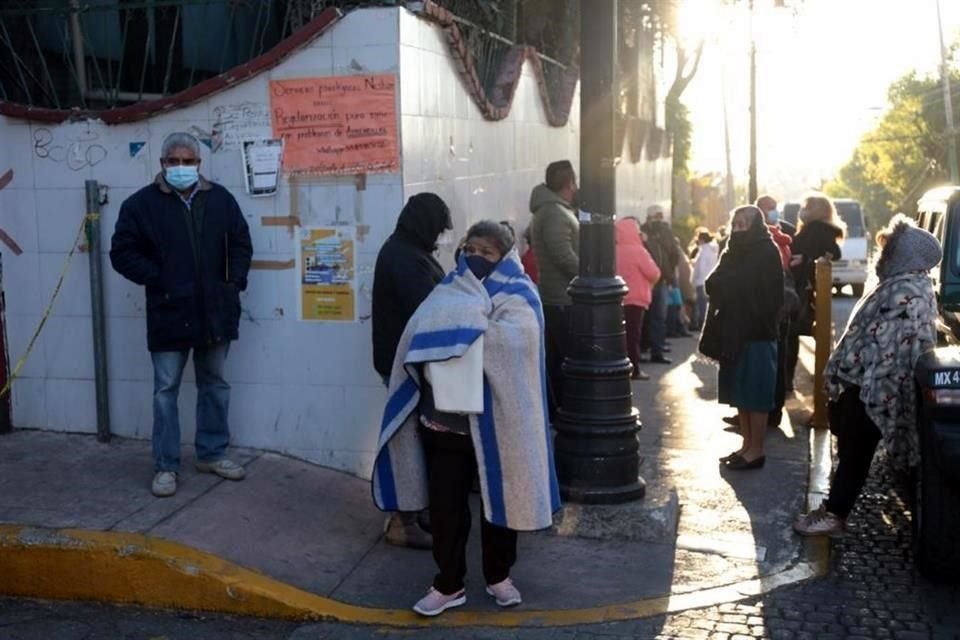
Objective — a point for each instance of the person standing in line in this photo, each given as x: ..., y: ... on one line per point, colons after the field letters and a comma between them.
x: 819, y: 235
x: 708, y: 254
x: 746, y: 300
x: 405, y: 274
x: 555, y: 232
x: 663, y: 248
x: 640, y: 272
x: 185, y: 240
x: 869, y: 378
x: 468, y: 400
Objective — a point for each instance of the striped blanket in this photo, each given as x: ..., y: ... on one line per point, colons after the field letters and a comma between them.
x: 511, y: 437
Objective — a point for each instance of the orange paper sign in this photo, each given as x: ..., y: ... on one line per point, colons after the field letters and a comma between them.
x: 336, y: 125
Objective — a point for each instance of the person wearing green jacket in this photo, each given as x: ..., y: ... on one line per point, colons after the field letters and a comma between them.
x: 556, y: 243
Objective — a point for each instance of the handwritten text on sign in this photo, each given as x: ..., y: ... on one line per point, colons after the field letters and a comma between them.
x: 336, y: 125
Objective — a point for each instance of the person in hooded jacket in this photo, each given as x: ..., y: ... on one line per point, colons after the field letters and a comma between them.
x: 869, y: 378
x: 746, y: 300
x: 555, y: 232
x: 638, y: 269
x: 818, y: 236
x: 405, y: 274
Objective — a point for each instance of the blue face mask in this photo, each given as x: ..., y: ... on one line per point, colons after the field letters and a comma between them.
x: 480, y: 266
x: 181, y: 178
x: 773, y: 216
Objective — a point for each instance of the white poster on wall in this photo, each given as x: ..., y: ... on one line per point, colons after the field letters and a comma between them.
x: 261, y: 162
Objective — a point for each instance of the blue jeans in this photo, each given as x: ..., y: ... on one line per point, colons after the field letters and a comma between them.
x: 213, y: 403
x: 701, y: 308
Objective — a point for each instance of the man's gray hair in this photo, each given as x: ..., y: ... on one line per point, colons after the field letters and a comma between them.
x: 180, y: 140
x: 495, y: 231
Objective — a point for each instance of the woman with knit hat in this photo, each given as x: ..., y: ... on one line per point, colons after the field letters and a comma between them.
x: 869, y: 377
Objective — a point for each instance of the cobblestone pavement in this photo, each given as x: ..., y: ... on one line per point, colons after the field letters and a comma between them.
x: 872, y: 592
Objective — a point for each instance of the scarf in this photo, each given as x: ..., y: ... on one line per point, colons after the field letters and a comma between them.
x: 888, y: 331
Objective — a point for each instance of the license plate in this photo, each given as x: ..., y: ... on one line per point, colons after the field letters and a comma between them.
x: 945, y: 378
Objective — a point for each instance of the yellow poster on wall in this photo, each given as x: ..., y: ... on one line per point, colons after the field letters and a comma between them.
x: 328, y: 274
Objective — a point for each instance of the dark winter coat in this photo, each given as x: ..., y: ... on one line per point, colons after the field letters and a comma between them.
x: 406, y: 273
x: 663, y: 246
x: 814, y: 240
x: 193, y: 262
x: 746, y: 290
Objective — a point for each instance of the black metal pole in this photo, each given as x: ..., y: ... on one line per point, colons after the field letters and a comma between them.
x: 97, y: 310
x: 752, y: 189
x: 596, y: 443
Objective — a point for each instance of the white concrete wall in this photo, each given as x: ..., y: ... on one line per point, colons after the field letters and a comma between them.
x: 306, y: 389
x: 482, y: 169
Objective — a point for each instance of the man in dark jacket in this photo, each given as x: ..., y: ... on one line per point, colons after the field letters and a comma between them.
x: 405, y: 274
x: 185, y: 239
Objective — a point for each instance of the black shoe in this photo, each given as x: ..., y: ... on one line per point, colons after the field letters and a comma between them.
x: 742, y: 464
x: 661, y: 360
x: 729, y: 457
x: 734, y: 420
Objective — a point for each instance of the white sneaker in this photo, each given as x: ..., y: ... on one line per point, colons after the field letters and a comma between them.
x: 505, y: 593
x: 164, y: 484
x: 820, y: 522
x: 435, y: 603
x: 224, y: 468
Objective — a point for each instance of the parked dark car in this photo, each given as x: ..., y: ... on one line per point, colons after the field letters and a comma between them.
x: 935, y: 499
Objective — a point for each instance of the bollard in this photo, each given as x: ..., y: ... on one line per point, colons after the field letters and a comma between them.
x: 823, y: 338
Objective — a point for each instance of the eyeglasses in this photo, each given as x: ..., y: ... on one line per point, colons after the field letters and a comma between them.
x: 186, y: 162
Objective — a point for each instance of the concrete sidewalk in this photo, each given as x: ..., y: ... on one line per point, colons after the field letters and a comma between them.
x: 297, y: 540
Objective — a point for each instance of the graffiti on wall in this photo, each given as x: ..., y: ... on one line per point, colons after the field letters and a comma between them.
x: 78, y: 151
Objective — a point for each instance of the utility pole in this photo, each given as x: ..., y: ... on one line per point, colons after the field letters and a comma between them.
x: 752, y: 189
x: 597, y: 451
x: 731, y: 194
x: 948, y: 104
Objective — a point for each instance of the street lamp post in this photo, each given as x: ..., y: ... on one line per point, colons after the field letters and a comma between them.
x: 597, y: 452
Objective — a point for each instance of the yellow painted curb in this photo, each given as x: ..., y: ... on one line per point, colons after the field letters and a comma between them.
x: 137, y: 569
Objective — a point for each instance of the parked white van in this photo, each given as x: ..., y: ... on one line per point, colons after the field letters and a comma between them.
x: 852, y: 267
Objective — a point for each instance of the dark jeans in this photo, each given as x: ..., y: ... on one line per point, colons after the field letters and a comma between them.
x: 452, y: 468
x: 633, y: 319
x: 557, y: 320
x: 857, y: 439
x: 780, y: 391
x: 655, y: 322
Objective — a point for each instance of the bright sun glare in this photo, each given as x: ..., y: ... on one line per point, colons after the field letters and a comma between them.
x: 823, y: 68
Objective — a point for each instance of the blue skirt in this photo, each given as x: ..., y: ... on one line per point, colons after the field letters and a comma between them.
x: 750, y: 383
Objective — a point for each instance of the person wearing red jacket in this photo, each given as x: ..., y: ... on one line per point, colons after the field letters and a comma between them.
x: 529, y: 258
x: 638, y: 269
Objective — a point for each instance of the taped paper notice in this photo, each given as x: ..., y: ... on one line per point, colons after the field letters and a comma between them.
x: 261, y: 162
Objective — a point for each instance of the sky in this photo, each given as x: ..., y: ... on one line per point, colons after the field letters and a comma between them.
x: 823, y: 69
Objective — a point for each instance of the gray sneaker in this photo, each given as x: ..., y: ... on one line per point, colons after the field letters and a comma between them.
x: 224, y: 468
x: 164, y: 484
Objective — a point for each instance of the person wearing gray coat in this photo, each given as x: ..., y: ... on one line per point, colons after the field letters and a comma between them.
x: 556, y: 242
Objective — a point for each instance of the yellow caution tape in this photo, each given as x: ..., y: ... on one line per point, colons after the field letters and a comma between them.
x: 90, y: 217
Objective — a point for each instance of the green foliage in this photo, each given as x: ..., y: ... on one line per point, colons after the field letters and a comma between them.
x: 904, y: 155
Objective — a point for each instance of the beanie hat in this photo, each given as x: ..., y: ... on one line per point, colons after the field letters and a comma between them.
x: 908, y: 248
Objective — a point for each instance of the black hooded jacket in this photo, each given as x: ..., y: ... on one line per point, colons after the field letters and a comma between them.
x: 406, y: 273
x: 746, y: 290
x: 815, y: 240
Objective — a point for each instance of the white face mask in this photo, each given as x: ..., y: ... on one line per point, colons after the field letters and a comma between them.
x: 446, y: 240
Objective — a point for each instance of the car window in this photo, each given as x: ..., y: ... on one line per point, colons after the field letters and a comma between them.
x: 852, y: 216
